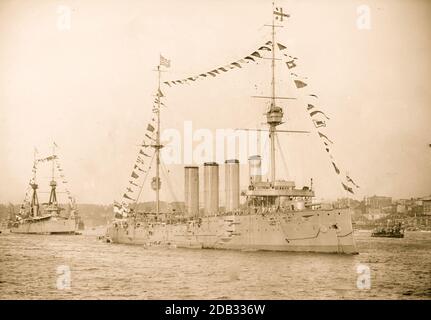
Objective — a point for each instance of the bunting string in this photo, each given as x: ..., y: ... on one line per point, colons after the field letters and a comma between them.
x: 64, y: 181
x: 238, y: 64
x: 317, y: 116
x: 139, y: 170
x: 319, y: 120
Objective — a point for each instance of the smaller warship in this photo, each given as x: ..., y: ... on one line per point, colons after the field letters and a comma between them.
x: 50, y: 217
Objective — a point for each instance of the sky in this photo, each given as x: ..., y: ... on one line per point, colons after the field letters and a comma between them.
x: 90, y: 89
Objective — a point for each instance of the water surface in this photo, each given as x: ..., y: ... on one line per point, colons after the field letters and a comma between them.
x: 399, y: 269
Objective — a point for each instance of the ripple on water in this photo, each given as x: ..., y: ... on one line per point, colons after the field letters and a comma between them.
x: 28, y: 270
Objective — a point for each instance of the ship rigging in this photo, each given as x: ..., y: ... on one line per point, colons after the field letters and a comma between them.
x: 46, y: 218
x: 276, y: 216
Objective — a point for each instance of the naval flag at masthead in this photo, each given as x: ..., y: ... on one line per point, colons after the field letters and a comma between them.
x: 165, y: 62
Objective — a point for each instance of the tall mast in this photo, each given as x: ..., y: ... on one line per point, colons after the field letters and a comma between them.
x: 157, y: 146
x: 53, y: 183
x: 272, y: 127
x: 273, y: 58
x: 275, y: 114
x: 155, y: 183
x: 53, y: 155
x: 34, y: 164
x: 34, y: 206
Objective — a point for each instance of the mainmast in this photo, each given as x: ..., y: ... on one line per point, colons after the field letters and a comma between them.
x: 53, y: 183
x: 275, y: 114
x: 34, y: 164
x: 273, y: 59
x: 53, y: 155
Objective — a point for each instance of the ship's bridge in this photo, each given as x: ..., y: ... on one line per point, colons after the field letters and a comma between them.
x: 281, y: 194
x: 280, y: 188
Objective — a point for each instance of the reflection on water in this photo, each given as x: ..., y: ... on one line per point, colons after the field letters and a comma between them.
x: 400, y: 269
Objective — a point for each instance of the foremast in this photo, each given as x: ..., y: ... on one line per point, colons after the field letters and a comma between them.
x: 156, y: 183
x: 34, y: 205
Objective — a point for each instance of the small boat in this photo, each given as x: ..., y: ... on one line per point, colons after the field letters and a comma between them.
x: 389, y: 232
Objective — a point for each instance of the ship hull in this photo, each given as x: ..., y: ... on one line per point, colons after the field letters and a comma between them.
x: 50, y: 225
x: 302, y: 231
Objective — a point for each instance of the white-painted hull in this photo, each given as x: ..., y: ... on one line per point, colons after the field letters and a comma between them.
x: 303, y: 231
x: 51, y: 225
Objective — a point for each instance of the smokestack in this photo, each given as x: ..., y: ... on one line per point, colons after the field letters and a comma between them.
x: 211, y: 188
x: 191, y: 190
x: 232, y: 184
x: 255, y: 169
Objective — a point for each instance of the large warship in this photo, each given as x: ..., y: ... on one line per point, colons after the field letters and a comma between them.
x: 275, y: 214
x: 49, y: 217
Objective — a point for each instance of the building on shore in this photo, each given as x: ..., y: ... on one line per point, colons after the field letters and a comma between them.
x: 378, y: 202
x: 425, y: 203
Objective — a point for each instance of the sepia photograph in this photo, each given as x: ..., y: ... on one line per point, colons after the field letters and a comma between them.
x: 215, y: 150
